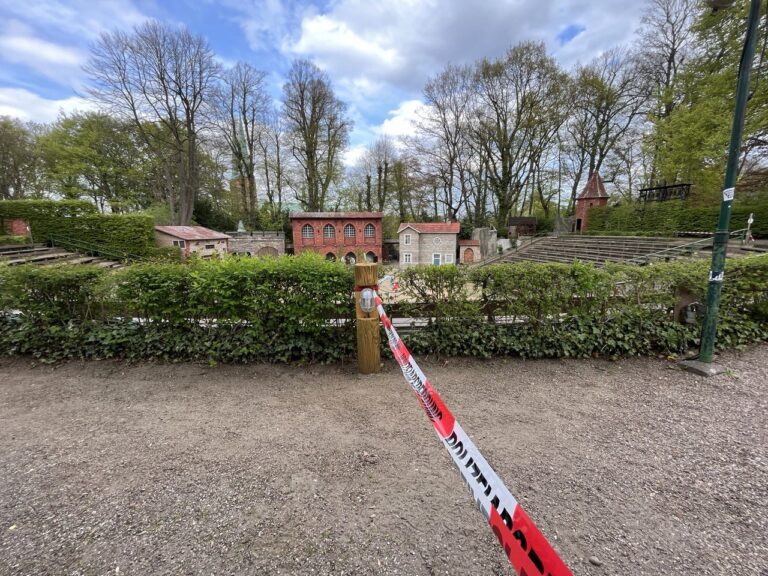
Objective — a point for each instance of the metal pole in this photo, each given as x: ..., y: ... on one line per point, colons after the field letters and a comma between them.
x: 720, y: 244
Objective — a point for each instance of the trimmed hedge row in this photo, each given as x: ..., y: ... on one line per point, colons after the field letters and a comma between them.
x: 560, y: 310
x: 234, y: 310
x: 79, y: 220
x: 673, y: 216
x: 283, y: 310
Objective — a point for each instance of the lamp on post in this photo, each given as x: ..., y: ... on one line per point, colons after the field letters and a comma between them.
x: 703, y: 365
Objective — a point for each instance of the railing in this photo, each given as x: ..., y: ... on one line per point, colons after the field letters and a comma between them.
x: 674, y: 251
x: 688, y: 248
x: 91, y: 249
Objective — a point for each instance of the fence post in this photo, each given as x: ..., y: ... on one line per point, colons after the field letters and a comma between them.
x: 368, y: 340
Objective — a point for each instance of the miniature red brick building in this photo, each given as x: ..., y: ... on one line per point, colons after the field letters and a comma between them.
x: 347, y: 235
x: 594, y: 194
x: 16, y: 227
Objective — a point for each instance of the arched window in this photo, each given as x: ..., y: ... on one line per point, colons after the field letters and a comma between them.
x: 370, y: 231
x: 329, y: 231
x: 331, y: 257
x: 349, y: 231
x: 307, y: 231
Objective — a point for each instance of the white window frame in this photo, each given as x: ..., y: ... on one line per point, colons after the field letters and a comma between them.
x: 347, y: 228
x: 329, y: 228
x: 372, y: 229
x: 439, y: 258
x: 407, y: 259
x: 180, y: 243
x: 407, y: 239
x: 307, y: 231
x: 448, y: 258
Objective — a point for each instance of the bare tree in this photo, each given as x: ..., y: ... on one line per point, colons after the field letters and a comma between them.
x: 665, y: 43
x: 608, y: 97
x: 164, y: 76
x: 514, y: 120
x: 443, y: 133
x: 241, y: 113
x: 272, y: 150
x: 319, y: 128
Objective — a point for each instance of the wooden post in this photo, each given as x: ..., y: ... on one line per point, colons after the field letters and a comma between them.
x: 368, y: 353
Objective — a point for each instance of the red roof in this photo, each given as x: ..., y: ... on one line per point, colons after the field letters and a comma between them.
x: 469, y: 242
x: 192, y: 233
x: 337, y: 215
x: 594, y: 188
x: 431, y: 227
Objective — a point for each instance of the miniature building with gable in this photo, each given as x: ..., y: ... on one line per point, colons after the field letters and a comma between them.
x: 469, y: 251
x: 345, y: 235
x: 193, y: 240
x: 428, y: 243
x: 594, y: 194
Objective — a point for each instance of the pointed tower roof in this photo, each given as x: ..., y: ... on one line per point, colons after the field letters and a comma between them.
x: 595, y: 188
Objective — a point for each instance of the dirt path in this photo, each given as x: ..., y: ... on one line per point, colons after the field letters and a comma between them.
x: 110, y: 468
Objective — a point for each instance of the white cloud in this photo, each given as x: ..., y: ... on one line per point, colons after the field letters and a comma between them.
x: 19, y: 45
x: 83, y: 19
x: 322, y: 36
x: 27, y: 105
x: 402, y: 120
x: 403, y: 42
x: 353, y: 154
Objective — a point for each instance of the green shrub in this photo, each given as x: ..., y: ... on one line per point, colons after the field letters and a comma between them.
x: 300, y: 309
x: 13, y: 240
x: 232, y: 310
x: 559, y: 310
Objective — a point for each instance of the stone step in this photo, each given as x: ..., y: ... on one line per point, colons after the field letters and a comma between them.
x: 40, y: 258
x: 8, y: 252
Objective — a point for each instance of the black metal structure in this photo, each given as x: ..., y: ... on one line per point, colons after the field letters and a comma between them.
x: 665, y: 192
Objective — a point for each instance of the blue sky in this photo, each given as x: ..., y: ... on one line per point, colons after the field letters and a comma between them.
x: 378, y: 54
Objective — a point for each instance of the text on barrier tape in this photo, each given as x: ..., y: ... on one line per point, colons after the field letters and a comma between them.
x: 527, y: 549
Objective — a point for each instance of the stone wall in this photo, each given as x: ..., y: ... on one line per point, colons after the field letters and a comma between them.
x: 258, y: 243
x: 487, y: 238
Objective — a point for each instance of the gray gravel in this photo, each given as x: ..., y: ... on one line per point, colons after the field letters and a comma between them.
x: 629, y: 467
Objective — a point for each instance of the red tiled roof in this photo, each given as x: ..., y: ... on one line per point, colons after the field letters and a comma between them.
x: 469, y: 242
x: 192, y: 233
x: 327, y: 215
x: 595, y: 188
x: 431, y: 227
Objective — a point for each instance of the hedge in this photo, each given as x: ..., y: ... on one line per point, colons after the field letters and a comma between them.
x: 80, y: 221
x: 673, y: 216
x: 234, y: 310
x: 560, y: 310
x: 300, y: 309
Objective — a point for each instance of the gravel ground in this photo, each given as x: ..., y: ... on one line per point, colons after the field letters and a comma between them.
x: 110, y: 468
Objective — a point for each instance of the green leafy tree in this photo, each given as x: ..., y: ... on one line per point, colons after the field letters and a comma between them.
x: 99, y: 156
x: 19, y: 159
x: 693, y: 141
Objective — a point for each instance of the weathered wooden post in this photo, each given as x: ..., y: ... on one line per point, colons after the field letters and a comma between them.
x: 368, y: 353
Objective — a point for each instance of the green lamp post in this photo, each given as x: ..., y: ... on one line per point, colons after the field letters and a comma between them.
x: 717, y: 272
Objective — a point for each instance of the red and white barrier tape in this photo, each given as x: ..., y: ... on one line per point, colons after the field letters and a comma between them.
x: 527, y: 549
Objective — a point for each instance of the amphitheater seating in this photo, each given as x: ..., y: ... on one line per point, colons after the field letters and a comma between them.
x: 40, y: 254
x: 601, y: 249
